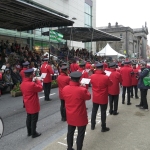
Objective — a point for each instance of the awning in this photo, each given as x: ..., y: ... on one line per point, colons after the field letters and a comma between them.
x: 85, y: 34
x: 20, y: 15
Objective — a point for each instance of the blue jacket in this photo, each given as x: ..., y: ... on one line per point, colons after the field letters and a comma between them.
x: 143, y: 74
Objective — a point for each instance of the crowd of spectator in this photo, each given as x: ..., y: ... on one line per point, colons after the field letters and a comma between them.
x: 12, y: 56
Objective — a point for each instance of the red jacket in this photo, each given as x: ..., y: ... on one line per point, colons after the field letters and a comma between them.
x: 62, y: 81
x: 75, y: 97
x: 88, y: 66
x: 100, y: 83
x: 134, y: 75
x: 126, y: 76
x: 105, y: 65
x: 74, y: 67
x: 46, y: 68
x: 115, y: 76
x: 84, y: 75
x: 22, y: 74
x: 30, y: 95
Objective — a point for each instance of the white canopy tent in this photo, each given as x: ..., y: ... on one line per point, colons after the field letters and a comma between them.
x: 108, y: 51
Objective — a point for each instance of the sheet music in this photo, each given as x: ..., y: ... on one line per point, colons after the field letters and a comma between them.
x: 108, y: 73
x: 85, y: 81
x: 43, y: 75
x: 3, y: 67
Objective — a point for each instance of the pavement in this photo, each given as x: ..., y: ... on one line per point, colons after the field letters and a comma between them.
x: 130, y: 130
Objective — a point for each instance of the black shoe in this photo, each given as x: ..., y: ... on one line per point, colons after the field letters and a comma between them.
x: 63, y: 119
x: 142, y: 107
x: 123, y: 102
x: 131, y: 96
x: 71, y: 149
x: 137, y: 97
x: 111, y: 112
x: 105, y: 129
x: 115, y: 113
x: 138, y: 105
x: 129, y: 103
x: 92, y: 127
x: 29, y: 134
x: 36, y: 135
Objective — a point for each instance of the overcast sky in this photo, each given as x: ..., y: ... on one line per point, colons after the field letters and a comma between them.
x: 131, y: 13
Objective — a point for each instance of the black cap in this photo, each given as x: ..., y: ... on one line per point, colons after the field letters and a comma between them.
x: 29, y: 71
x: 82, y: 64
x: 64, y: 68
x: 45, y: 59
x: 99, y: 65
x: 75, y: 74
x: 127, y: 62
x: 112, y: 64
x: 26, y: 63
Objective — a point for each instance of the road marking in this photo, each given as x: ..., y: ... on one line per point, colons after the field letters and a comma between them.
x: 44, y: 96
x: 62, y: 144
x: 98, y: 120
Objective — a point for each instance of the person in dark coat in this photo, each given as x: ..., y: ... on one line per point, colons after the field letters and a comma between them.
x: 143, y: 89
x: 16, y: 76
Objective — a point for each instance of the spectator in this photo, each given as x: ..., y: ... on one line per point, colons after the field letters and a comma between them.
x: 8, y: 79
x: 2, y: 84
x: 16, y: 76
x: 1, y: 62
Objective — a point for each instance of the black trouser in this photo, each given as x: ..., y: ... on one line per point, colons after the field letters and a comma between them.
x: 135, y: 90
x: 113, y: 103
x: 31, y: 122
x: 80, y: 137
x: 47, y: 89
x: 63, y: 109
x: 144, y: 98
x: 103, y: 114
x: 128, y: 94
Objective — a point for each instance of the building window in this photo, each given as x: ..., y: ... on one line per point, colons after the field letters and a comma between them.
x: 120, y: 35
x: 88, y: 15
x: 88, y: 22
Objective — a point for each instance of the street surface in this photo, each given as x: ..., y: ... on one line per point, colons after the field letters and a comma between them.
x: 128, y: 131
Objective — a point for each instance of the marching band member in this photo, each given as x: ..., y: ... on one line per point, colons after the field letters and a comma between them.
x: 46, y: 68
x: 31, y: 100
x: 25, y: 67
x: 134, y: 76
x: 126, y: 81
x: 74, y: 66
x: 75, y: 97
x: 83, y: 71
x: 114, y: 89
x: 63, y: 80
x: 100, y: 83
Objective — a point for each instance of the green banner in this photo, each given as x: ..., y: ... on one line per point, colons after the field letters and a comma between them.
x: 55, y: 36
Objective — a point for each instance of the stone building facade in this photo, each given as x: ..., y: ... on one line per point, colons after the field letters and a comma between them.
x: 133, y: 43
